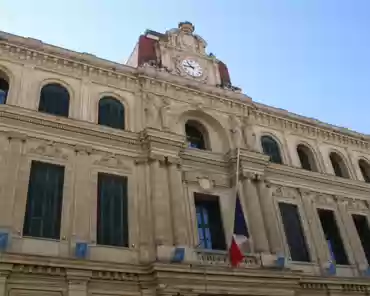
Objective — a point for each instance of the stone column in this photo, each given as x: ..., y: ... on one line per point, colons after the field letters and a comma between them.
x: 77, y: 282
x: 160, y: 199
x: 255, y: 220
x: 10, y: 176
x: 270, y: 218
x: 178, y: 205
x: 5, y: 270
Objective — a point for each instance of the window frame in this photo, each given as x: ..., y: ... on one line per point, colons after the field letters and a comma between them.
x: 201, y: 130
x: 125, y: 217
x: 341, y: 164
x: 365, y: 170
x: 309, y: 154
x: 54, y: 107
x: 277, y: 144
x: 118, y: 102
x: 27, y: 218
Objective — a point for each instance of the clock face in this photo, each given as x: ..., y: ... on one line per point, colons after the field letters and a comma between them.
x: 192, y: 68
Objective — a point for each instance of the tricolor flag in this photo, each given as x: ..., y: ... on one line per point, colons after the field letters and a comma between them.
x: 239, y: 241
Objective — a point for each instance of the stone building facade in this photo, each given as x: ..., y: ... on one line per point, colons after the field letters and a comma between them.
x: 108, y: 170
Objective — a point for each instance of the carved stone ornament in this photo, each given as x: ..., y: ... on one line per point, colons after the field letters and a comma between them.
x: 205, y: 183
x: 236, y: 131
x: 112, y: 161
x: 49, y: 149
x: 284, y: 192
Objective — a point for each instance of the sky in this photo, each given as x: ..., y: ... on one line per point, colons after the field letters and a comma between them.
x: 310, y: 57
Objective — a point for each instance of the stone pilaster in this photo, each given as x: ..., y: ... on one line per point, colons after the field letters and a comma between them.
x: 9, y: 183
x: 352, y: 235
x: 82, y: 195
x: 160, y: 199
x: 146, y: 234
x: 270, y: 218
x: 178, y: 204
x: 77, y: 282
x: 321, y: 249
x: 5, y: 270
x: 255, y: 220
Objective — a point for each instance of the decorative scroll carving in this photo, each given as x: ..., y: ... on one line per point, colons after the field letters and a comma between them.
x: 284, y: 192
x: 113, y: 161
x: 50, y: 149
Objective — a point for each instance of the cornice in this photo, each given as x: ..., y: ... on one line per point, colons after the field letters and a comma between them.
x: 303, y: 127
x: 71, y: 63
x: 318, y: 182
x: 15, y: 119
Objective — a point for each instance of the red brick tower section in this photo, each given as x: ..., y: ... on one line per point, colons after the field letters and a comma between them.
x: 148, y: 51
x: 224, y: 75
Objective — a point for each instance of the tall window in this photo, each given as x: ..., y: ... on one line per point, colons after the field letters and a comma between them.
x: 4, y: 87
x: 363, y: 231
x: 112, y: 210
x: 365, y: 170
x: 54, y: 99
x: 44, y: 201
x: 111, y: 113
x: 195, y: 135
x: 271, y: 148
x: 339, y: 166
x: 332, y: 236
x: 210, y: 229
x: 294, y: 232
x: 306, y: 158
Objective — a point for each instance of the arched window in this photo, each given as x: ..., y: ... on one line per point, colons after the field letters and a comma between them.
x: 4, y: 87
x: 111, y: 113
x: 306, y: 158
x: 54, y: 99
x: 365, y: 170
x: 271, y: 148
x: 339, y: 166
x: 195, y: 135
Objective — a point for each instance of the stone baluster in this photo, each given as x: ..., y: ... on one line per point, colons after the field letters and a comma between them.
x: 255, y: 219
x: 270, y: 218
x: 178, y: 204
x: 160, y: 199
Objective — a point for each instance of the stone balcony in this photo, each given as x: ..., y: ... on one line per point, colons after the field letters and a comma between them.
x: 221, y: 258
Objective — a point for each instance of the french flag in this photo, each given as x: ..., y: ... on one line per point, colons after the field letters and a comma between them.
x: 240, y: 239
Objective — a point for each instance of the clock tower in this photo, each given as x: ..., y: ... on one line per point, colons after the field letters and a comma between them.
x: 180, y: 52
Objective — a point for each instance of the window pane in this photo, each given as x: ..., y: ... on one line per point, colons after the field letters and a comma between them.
x: 111, y: 113
x: 363, y: 231
x: 332, y: 235
x: 44, y: 201
x: 54, y: 99
x: 271, y: 148
x: 294, y: 232
x: 210, y: 223
x: 112, y: 210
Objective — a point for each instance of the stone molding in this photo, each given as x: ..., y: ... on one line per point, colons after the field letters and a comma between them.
x: 84, y: 65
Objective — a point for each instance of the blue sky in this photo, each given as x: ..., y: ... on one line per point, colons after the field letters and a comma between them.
x: 311, y: 57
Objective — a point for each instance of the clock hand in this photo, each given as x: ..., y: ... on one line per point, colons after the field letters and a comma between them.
x: 190, y: 65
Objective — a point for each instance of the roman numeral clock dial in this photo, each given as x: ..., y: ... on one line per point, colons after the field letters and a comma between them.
x: 192, y: 68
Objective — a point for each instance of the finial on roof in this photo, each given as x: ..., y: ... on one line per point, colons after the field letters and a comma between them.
x: 186, y: 27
